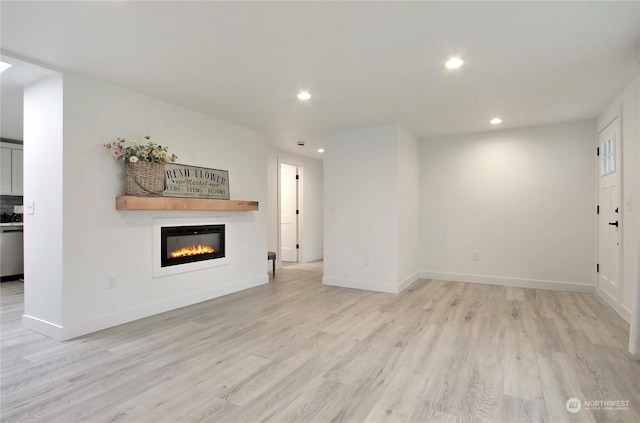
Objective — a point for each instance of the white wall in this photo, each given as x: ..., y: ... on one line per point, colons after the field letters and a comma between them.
x: 99, y: 241
x: 362, y: 209
x: 627, y: 107
x: 43, y: 184
x: 524, y: 199
x: 408, y: 206
x: 312, y: 203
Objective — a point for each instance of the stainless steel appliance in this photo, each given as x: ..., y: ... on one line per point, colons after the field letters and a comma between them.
x: 11, y: 247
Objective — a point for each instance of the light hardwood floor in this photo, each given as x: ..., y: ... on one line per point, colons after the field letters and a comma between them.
x: 298, y: 351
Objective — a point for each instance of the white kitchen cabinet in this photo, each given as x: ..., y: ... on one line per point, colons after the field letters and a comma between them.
x: 5, y: 170
x: 11, y: 165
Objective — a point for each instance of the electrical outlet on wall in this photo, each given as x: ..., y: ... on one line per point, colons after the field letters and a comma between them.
x: 367, y: 261
x: 476, y: 256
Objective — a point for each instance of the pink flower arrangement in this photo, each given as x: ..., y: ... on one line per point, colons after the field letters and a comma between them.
x: 151, y: 152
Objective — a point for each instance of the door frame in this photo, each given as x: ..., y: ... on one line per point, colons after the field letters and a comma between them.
x: 300, y: 190
x: 614, y: 120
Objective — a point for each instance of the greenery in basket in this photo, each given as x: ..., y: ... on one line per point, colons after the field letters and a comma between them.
x: 134, y: 152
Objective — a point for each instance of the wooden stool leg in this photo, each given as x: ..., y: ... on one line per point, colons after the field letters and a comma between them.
x: 272, y: 256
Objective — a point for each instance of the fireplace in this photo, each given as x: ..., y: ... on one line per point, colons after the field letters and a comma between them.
x: 188, y: 244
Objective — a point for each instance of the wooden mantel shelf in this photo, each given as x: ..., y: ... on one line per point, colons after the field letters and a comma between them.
x: 127, y: 202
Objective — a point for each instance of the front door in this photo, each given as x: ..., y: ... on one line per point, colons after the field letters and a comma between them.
x: 610, y: 214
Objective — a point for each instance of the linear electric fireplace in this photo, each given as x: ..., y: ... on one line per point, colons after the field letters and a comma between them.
x: 188, y: 244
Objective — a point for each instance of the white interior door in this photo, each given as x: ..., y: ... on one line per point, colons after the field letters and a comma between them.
x: 609, y: 216
x: 288, y: 213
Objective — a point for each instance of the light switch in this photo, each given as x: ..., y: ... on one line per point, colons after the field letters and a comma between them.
x: 29, y: 207
x: 629, y: 204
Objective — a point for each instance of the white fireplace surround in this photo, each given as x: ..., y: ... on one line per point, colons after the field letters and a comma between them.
x: 158, y: 224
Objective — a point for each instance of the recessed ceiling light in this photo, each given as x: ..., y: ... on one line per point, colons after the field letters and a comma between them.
x: 454, y: 63
x: 4, y: 66
x: 303, y: 95
x: 495, y: 121
x: 320, y: 150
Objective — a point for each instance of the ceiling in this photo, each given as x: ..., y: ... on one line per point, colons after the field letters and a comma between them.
x: 365, y: 63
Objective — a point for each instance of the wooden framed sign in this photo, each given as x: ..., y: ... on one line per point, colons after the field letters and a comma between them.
x: 195, y: 182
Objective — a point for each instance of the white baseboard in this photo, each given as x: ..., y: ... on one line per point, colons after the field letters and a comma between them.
x: 506, y: 281
x: 119, y: 317
x: 634, y: 349
x: 625, y: 313
x: 407, y: 282
x: 620, y: 309
x: 608, y: 299
x: 49, y: 329
x: 369, y: 285
x: 312, y: 257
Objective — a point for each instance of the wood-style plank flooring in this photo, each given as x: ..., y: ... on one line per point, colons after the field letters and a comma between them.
x: 298, y: 351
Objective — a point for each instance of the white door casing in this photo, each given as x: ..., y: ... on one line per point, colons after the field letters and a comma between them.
x: 610, y: 215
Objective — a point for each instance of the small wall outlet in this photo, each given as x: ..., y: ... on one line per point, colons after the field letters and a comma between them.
x: 111, y: 282
x: 249, y: 259
x: 476, y: 256
x: 30, y: 207
x: 367, y: 261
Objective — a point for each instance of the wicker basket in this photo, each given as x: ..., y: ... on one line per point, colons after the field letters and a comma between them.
x: 145, y: 179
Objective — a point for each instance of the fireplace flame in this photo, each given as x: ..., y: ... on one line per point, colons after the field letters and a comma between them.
x: 193, y: 250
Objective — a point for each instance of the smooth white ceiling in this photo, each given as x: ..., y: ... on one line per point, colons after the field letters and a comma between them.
x: 12, y: 83
x: 365, y: 63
